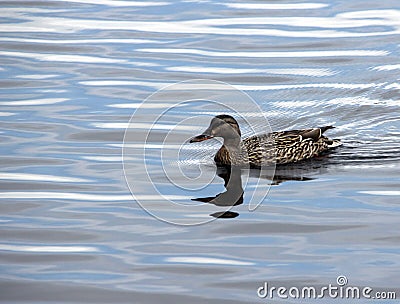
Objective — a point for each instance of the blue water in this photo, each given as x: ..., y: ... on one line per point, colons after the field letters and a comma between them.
x: 72, y: 74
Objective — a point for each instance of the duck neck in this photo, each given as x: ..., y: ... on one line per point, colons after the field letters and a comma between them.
x: 229, y: 152
x: 232, y: 144
x: 232, y: 149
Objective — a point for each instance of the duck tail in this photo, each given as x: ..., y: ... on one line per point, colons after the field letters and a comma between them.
x: 333, y: 143
x: 323, y: 129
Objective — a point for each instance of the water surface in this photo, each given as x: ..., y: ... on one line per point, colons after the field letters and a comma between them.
x: 72, y: 74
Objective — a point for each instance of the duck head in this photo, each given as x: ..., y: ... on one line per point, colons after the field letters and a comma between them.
x: 224, y: 126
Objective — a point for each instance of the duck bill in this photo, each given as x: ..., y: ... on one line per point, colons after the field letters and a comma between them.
x: 201, y: 137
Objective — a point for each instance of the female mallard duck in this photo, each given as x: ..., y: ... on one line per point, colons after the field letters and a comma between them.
x: 261, y: 150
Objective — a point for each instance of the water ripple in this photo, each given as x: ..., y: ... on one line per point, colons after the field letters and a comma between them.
x: 226, y: 70
x: 119, y: 3
x: 388, y: 67
x: 33, y: 102
x: 159, y: 85
x: 85, y: 196
x: 207, y: 261
x: 376, y: 23
x: 80, y: 41
x: 41, y: 177
x: 276, y: 6
x: 63, y: 57
x: 297, y: 54
x: 74, y: 71
x: 47, y: 249
x: 380, y: 192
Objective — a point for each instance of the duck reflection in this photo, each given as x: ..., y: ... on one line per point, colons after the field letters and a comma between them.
x: 233, y: 195
x: 304, y: 171
x: 232, y: 176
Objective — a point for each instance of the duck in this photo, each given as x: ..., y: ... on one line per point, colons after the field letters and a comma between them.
x: 282, y: 147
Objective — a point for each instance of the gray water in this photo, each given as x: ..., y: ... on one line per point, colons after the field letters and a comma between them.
x: 73, y: 73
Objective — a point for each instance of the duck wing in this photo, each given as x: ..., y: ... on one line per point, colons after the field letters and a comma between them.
x: 296, y: 145
x: 285, y: 137
x: 288, y: 146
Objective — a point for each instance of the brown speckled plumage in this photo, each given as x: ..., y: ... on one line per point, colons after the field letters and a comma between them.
x: 260, y: 150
